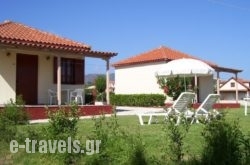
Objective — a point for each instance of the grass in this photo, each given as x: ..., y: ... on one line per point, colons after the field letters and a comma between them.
x: 152, y: 137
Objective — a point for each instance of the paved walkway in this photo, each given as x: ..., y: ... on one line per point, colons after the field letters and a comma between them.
x: 120, y: 111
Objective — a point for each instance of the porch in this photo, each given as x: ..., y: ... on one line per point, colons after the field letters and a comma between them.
x: 34, y: 61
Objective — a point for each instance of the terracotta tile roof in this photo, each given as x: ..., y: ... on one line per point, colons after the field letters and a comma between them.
x: 243, y: 80
x: 239, y: 80
x: 12, y: 33
x: 159, y: 54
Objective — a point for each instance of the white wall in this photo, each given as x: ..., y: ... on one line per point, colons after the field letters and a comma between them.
x: 137, y: 79
x: 45, y: 77
x: 246, y: 84
x: 205, y: 87
x: 7, y: 77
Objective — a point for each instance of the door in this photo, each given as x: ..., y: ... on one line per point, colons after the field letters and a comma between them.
x: 26, y: 77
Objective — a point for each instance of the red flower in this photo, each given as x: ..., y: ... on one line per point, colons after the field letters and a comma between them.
x: 165, y: 89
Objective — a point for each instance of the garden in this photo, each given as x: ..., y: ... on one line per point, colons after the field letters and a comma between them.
x: 124, y: 141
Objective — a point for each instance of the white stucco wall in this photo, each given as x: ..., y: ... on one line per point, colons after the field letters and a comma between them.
x: 7, y: 77
x: 205, y: 87
x: 45, y: 77
x: 246, y: 84
x: 137, y: 79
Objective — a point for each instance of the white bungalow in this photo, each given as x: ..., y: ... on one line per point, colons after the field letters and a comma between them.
x: 228, y: 88
x: 136, y: 75
x: 33, y: 61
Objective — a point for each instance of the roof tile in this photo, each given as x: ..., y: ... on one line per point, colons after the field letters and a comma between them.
x: 159, y: 54
x: 18, y: 33
x: 12, y: 33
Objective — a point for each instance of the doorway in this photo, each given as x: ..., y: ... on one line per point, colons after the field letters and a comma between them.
x: 27, y: 77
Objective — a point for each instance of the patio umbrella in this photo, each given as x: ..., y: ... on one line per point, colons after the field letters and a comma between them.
x: 185, y: 67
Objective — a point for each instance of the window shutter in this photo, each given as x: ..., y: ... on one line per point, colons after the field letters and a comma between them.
x: 79, y: 71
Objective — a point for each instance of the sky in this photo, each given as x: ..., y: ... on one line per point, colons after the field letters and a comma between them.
x: 213, y: 30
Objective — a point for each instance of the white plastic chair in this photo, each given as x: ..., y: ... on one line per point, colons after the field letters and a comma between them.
x: 52, y: 95
x: 77, y: 96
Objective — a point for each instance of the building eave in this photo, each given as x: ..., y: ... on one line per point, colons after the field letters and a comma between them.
x: 224, y: 69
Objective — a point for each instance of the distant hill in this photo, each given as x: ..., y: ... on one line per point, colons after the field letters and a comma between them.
x: 90, y: 78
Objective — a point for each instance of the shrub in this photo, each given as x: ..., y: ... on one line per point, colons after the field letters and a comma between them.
x: 89, y: 99
x: 223, y: 143
x: 245, y: 149
x: 8, y: 129
x: 13, y: 113
x: 173, y: 86
x: 175, y: 135
x: 117, y: 146
x: 63, y: 122
x: 100, y: 84
x: 144, y: 100
x: 62, y: 125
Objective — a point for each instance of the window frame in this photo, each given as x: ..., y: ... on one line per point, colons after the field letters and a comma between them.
x: 232, y: 84
x: 72, y: 71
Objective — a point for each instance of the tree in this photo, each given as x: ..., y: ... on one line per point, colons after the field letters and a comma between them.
x: 173, y: 86
x: 100, y: 84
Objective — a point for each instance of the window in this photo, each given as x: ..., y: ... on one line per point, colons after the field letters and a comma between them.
x: 72, y: 71
x: 232, y: 84
x: 67, y: 71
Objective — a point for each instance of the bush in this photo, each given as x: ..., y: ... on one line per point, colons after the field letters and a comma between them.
x: 8, y: 129
x: 223, y: 143
x: 173, y: 86
x: 175, y: 135
x: 12, y: 114
x: 100, y: 84
x: 117, y: 146
x: 143, y: 100
x: 62, y: 125
x: 15, y: 111
x: 89, y: 99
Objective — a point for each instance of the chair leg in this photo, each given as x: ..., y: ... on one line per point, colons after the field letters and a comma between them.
x: 178, y: 120
x: 192, y: 121
x: 150, y: 119
x: 140, y: 119
x: 81, y: 99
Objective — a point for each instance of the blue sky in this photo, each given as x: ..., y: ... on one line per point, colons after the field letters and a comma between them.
x: 214, y: 30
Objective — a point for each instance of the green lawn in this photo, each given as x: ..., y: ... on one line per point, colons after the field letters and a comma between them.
x: 153, y: 137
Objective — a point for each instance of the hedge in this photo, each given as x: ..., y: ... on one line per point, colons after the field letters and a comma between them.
x: 142, y: 100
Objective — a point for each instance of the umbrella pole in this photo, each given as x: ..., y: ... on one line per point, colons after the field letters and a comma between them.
x: 195, y: 87
x: 185, y: 83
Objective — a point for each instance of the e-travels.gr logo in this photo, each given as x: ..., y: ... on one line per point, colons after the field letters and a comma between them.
x: 53, y: 146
